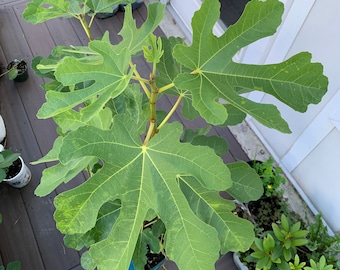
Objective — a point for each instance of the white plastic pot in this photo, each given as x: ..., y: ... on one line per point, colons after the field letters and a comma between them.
x: 2, y: 129
x: 22, y: 178
x: 238, y: 263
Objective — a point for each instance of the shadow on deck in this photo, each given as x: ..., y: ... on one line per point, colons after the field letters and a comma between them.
x: 28, y: 232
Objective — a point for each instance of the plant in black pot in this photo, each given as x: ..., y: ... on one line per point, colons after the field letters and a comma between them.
x: 112, y: 10
x: 17, y: 70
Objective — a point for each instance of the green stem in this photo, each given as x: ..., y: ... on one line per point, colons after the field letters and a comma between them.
x: 153, y: 221
x: 91, y: 21
x: 88, y: 170
x: 154, y: 69
x: 150, y: 131
x: 171, y: 112
x: 85, y: 26
x: 166, y: 87
x: 141, y: 82
x: 139, y: 79
x: 152, y: 101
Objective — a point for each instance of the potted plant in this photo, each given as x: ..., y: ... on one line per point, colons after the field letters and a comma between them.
x: 138, y: 168
x: 268, y: 209
x: 268, y: 214
x: 286, y: 246
x: 17, y: 70
x: 13, y: 170
x: 115, y: 8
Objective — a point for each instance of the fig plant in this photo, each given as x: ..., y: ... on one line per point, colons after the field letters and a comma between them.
x: 140, y: 166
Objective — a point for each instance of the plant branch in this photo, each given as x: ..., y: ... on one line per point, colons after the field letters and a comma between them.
x: 154, y: 69
x: 153, y: 221
x: 5, y: 73
x: 152, y: 101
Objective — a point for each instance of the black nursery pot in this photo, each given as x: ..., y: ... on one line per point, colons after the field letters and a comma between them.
x: 22, y: 70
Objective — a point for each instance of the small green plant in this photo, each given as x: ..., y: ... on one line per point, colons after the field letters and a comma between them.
x: 286, y: 247
x: 16, y: 265
x: 270, y: 175
x: 279, y: 246
x: 321, y: 243
x: 320, y: 265
x: 296, y: 264
x: 7, y: 157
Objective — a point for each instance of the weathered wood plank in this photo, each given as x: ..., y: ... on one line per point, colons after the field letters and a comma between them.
x: 17, y: 240
x: 19, y: 105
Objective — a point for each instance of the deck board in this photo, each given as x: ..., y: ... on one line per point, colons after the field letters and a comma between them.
x: 28, y: 231
x: 34, y: 237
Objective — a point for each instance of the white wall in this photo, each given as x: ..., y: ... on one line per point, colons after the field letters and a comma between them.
x: 311, y: 154
x: 319, y: 177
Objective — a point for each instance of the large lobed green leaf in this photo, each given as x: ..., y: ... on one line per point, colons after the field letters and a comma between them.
x: 105, y: 80
x: 297, y: 82
x: 39, y: 11
x: 144, y: 178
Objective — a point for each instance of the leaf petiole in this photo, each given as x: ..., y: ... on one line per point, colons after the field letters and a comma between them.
x: 139, y: 79
x: 41, y: 67
x: 85, y: 26
x: 151, y: 131
x: 166, y: 87
x: 141, y: 82
x: 91, y: 21
x: 171, y: 112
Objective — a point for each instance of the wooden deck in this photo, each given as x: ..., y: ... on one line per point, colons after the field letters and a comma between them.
x: 28, y: 231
